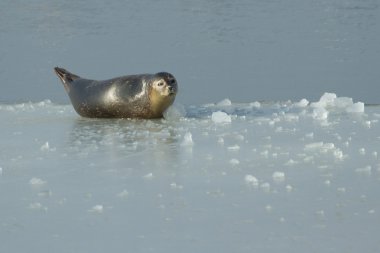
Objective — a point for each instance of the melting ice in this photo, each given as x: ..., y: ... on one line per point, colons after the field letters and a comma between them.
x: 281, y: 172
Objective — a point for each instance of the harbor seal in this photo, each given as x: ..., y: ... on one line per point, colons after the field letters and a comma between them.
x: 144, y: 96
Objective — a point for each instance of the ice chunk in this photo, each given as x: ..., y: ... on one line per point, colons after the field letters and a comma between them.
x: 330, y: 100
x: 97, y: 209
x: 326, y: 100
x: 366, y: 170
x: 320, y: 113
x: 124, y: 194
x: 220, y: 117
x: 234, y: 148
x: 342, y: 102
x: 255, y: 104
x: 176, y: 186
x: 357, y: 107
x: 36, y: 182
x: 269, y: 208
x: 187, y: 140
x: 265, y: 187
x: 234, y: 162
x: 302, y: 103
x: 224, y: 102
x: 341, y: 189
x: 148, y: 176
x: 278, y: 176
x: 175, y: 112
x: 45, y: 146
x: 37, y: 206
x: 251, y: 180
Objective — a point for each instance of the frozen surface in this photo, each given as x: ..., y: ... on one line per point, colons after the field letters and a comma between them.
x: 280, y: 177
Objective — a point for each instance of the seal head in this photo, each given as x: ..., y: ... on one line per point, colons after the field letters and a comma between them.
x: 134, y: 96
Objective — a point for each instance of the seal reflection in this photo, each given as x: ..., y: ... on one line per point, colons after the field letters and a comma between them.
x: 118, y: 143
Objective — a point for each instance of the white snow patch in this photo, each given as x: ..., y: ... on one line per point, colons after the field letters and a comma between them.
x: 220, y: 117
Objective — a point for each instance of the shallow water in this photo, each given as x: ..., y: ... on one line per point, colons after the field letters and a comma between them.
x: 278, y: 176
x: 244, y: 50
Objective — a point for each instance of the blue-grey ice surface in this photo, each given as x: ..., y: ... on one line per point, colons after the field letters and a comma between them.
x: 221, y: 177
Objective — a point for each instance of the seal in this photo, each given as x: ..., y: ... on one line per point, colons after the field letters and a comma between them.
x: 144, y: 96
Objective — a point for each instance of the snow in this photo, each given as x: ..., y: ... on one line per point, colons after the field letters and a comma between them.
x: 225, y: 169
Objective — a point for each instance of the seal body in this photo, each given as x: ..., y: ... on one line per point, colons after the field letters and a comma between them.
x: 133, y: 96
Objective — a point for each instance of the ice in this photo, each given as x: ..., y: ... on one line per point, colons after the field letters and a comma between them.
x: 273, y: 166
x: 97, y: 209
x: 36, y: 181
x: 302, y: 103
x: 123, y: 194
x: 175, y: 112
x: 220, y: 117
x: 278, y: 176
x: 148, y: 176
x: 251, y: 180
x: 224, y: 102
x: 187, y: 140
x: 330, y: 101
x: 234, y: 162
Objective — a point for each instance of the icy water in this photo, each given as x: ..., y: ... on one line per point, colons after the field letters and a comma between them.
x: 240, y: 176
x: 224, y: 177
x: 245, y: 50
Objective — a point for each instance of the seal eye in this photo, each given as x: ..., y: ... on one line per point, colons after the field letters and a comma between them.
x: 160, y: 84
